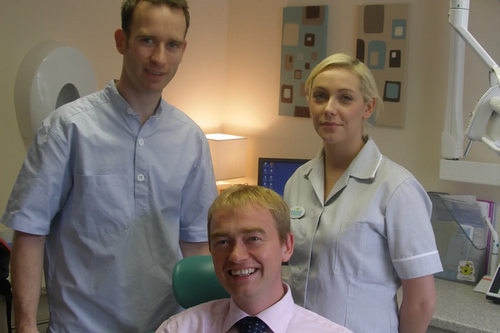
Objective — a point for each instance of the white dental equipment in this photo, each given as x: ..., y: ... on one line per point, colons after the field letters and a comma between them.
x: 484, y: 125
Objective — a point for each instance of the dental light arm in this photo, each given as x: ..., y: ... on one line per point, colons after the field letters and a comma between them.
x: 452, y: 137
x: 484, y: 125
x: 459, y: 18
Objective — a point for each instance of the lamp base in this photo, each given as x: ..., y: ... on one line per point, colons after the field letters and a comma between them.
x: 222, y: 185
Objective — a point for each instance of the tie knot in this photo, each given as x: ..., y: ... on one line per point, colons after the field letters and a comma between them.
x: 251, y: 325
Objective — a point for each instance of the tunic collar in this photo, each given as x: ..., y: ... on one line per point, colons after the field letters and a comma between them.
x: 364, y: 166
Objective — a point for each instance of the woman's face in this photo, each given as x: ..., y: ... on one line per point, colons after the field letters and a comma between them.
x: 337, y: 106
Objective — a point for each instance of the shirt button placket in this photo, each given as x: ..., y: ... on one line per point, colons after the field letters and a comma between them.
x: 142, y: 175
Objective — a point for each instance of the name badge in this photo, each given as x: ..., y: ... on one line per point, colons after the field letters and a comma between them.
x: 296, y: 212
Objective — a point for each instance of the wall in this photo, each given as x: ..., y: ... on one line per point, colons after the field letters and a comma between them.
x: 24, y: 24
x: 253, y: 62
x: 199, y: 85
x: 89, y: 26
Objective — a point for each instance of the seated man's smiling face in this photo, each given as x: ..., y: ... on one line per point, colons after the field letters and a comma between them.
x: 247, y: 254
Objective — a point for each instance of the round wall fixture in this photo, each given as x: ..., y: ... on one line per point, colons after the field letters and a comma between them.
x: 51, y: 75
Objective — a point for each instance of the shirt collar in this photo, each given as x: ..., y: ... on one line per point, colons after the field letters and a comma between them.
x: 277, y: 316
x: 121, y: 104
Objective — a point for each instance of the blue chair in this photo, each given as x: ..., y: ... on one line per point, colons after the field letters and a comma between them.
x: 194, y: 282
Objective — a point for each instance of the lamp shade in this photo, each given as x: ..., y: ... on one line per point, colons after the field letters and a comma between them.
x: 229, y: 154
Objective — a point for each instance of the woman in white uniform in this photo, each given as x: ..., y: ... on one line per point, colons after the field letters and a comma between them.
x: 361, y: 222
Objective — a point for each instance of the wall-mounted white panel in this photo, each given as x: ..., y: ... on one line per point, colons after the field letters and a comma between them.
x: 51, y: 75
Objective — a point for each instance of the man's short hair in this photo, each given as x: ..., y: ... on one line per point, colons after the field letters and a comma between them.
x: 128, y: 7
x: 251, y: 196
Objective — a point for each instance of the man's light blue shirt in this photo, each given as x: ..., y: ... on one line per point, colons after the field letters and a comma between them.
x: 113, y: 198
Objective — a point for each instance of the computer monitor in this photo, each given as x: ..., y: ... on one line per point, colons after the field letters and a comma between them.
x: 275, y: 172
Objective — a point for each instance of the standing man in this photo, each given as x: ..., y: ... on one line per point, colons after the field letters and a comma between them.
x: 114, y: 186
x: 250, y: 237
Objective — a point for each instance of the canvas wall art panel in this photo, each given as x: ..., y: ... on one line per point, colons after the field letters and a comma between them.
x: 382, y: 44
x: 303, y: 47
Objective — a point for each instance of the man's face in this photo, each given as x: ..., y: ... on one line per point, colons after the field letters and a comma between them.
x: 153, y: 50
x: 247, y: 255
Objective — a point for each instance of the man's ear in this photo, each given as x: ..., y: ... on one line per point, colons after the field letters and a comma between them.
x: 287, y: 247
x: 121, y: 41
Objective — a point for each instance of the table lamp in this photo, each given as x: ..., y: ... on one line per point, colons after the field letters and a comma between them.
x: 228, y: 156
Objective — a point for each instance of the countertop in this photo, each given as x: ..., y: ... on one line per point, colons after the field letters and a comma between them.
x: 460, y: 309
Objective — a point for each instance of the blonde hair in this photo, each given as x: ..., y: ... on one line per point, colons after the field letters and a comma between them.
x: 243, y: 196
x: 367, y: 83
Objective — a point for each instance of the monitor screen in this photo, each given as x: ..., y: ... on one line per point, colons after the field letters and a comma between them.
x: 275, y: 172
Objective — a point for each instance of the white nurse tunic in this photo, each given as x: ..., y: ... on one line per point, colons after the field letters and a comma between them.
x: 352, y: 249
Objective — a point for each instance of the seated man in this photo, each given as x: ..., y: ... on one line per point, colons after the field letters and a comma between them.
x: 249, y: 237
